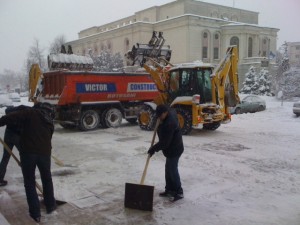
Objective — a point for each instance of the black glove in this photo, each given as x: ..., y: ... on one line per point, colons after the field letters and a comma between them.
x: 151, y: 151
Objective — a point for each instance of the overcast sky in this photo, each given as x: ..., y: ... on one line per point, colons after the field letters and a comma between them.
x: 22, y: 21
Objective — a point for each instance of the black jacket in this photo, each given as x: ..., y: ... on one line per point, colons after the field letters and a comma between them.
x: 15, y: 127
x: 170, y: 137
x: 36, y: 129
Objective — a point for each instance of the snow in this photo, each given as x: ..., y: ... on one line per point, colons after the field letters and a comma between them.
x: 246, y: 172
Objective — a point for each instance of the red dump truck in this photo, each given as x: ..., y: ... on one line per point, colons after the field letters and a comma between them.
x: 88, y: 100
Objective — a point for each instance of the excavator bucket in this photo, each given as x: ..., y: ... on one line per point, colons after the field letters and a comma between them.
x: 155, y: 49
x: 70, y: 61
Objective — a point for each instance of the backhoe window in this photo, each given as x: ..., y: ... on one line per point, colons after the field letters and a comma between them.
x: 204, y: 83
x: 191, y: 81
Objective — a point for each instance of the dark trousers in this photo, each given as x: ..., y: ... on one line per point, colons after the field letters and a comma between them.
x: 11, y: 139
x: 173, y: 183
x: 29, y: 162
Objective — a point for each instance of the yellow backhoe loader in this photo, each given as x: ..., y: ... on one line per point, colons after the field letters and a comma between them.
x: 200, y: 92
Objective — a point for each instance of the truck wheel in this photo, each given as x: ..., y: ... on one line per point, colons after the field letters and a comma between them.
x: 185, y: 120
x: 146, y: 118
x: 112, y: 117
x: 89, y: 120
x: 211, y: 126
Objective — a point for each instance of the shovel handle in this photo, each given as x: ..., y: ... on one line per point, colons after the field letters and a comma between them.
x: 18, y: 161
x: 148, y: 158
x: 10, y: 151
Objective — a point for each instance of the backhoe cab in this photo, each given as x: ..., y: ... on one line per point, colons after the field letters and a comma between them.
x: 200, y: 93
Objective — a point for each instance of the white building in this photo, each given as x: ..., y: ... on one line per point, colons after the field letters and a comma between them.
x: 195, y: 30
x: 293, y: 51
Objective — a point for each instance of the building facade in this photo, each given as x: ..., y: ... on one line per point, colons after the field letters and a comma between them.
x: 293, y: 51
x: 194, y: 30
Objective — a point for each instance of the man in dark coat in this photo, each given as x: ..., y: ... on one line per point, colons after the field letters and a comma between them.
x: 171, y: 144
x: 11, y: 138
x: 35, y: 151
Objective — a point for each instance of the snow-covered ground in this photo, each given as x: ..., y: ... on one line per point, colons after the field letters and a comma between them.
x: 246, y: 172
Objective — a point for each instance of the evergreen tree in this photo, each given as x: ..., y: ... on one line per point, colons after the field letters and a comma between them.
x: 107, y: 62
x: 264, y: 83
x: 250, y: 85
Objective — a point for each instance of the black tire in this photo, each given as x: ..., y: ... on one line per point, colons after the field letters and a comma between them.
x: 132, y: 120
x: 102, y: 120
x: 146, y: 118
x: 68, y: 126
x: 261, y: 108
x: 238, y: 111
x: 185, y: 120
x: 89, y: 120
x: 211, y: 126
x: 112, y: 117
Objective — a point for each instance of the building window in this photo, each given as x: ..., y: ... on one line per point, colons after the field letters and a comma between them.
x: 204, y: 52
x: 250, y: 47
x: 297, y: 56
x: 127, y: 44
x: 216, y: 46
x: 102, y: 47
x: 109, y: 46
x: 205, y: 44
x: 297, y: 47
x: 264, y: 47
x: 234, y: 41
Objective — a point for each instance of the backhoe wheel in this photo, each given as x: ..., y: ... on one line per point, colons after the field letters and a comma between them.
x: 185, y: 120
x: 89, y: 120
x: 146, y: 118
x: 211, y: 126
x: 112, y: 117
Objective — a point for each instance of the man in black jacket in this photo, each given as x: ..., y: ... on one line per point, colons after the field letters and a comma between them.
x: 35, y: 151
x: 171, y: 144
x: 11, y: 138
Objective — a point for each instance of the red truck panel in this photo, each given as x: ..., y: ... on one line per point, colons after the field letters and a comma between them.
x: 75, y: 87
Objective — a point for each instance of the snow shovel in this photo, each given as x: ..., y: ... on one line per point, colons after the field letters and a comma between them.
x: 60, y: 163
x: 37, y: 185
x: 140, y: 196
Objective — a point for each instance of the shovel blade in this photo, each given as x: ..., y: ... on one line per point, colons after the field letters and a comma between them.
x: 139, y: 196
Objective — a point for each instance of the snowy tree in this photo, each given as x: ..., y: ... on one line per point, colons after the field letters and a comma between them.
x: 250, y: 85
x: 55, y: 46
x: 36, y: 56
x: 107, y: 62
x: 289, y: 83
x: 264, y: 83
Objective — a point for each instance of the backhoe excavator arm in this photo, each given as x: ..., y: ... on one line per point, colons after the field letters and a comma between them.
x: 225, y: 81
x: 35, y: 74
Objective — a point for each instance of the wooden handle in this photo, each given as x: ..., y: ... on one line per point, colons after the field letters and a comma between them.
x: 148, y: 158
x: 10, y: 151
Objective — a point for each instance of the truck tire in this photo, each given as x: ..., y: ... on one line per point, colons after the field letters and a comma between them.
x: 112, y: 117
x: 146, y: 118
x: 89, y: 120
x: 211, y: 126
x: 185, y: 120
